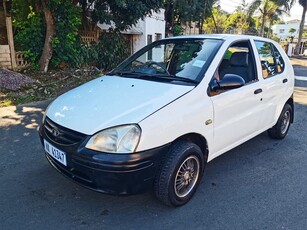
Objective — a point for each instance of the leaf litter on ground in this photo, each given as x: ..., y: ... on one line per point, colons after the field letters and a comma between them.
x: 28, y: 86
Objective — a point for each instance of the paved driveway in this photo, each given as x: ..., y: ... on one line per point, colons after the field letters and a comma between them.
x: 261, y: 184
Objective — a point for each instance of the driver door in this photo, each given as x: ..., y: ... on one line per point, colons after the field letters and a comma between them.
x: 236, y: 111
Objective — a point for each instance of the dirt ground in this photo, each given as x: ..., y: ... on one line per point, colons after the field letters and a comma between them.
x: 299, y: 61
x: 25, y: 87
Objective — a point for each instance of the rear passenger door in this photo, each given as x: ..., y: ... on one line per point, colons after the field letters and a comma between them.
x: 274, y: 80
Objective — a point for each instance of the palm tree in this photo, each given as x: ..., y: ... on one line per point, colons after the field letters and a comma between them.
x: 303, y: 3
x: 269, y: 9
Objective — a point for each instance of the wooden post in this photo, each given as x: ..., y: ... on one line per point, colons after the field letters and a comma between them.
x: 4, y: 8
x: 10, y: 39
x: 97, y: 35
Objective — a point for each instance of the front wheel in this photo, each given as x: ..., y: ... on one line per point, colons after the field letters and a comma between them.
x: 280, y: 130
x: 180, y: 174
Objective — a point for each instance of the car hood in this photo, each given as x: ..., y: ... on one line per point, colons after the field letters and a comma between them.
x: 110, y: 101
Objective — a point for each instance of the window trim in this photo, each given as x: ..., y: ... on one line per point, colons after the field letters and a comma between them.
x: 273, y: 46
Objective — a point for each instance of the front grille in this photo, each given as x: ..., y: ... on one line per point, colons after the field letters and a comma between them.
x: 62, y: 135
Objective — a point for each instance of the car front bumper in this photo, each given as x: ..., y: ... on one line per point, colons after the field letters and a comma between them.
x: 105, y: 172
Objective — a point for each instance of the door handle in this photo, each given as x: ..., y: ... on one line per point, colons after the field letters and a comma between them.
x: 258, y: 91
x: 285, y: 80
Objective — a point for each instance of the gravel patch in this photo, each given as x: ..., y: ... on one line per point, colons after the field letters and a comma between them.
x: 13, y: 81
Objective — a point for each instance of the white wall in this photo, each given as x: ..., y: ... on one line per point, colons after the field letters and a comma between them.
x: 140, y: 40
x: 286, y: 27
x: 155, y: 23
x: 151, y: 25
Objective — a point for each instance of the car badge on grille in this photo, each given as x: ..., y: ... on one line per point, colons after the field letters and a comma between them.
x: 55, y: 132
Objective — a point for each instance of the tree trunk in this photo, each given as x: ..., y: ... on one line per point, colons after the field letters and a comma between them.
x: 200, y: 24
x: 300, y: 35
x: 173, y: 16
x: 269, y: 29
x: 262, y: 25
x: 216, y: 30
x: 50, y: 32
x: 167, y: 18
x: 85, y: 22
x: 37, y: 6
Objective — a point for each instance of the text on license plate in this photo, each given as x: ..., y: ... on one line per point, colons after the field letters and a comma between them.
x: 57, y: 154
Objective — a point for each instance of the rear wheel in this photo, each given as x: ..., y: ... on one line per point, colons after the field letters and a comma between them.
x: 180, y: 174
x: 280, y: 130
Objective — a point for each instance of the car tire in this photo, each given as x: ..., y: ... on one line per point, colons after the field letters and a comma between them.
x: 180, y: 173
x: 280, y: 130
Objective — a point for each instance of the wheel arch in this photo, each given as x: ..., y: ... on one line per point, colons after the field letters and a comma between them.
x: 290, y: 102
x: 199, y: 140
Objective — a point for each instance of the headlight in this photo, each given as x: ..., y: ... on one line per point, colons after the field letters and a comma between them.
x: 44, y: 117
x: 44, y: 113
x: 121, y: 139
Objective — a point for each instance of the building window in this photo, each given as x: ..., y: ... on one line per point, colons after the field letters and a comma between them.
x: 281, y: 31
x: 158, y: 37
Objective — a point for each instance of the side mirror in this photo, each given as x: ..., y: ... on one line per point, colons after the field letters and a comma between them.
x: 229, y: 81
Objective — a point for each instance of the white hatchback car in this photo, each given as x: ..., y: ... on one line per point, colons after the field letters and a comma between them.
x: 162, y: 114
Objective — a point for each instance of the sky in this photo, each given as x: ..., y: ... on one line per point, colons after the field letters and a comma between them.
x: 295, y: 13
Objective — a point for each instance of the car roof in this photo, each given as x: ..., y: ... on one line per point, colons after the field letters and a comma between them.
x: 231, y: 37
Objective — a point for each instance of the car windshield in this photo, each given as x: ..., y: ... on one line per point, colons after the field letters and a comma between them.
x: 183, y: 60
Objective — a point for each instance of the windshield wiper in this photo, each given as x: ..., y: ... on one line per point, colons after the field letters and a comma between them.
x: 133, y: 73
x: 176, y: 78
x: 148, y: 76
x: 121, y: 73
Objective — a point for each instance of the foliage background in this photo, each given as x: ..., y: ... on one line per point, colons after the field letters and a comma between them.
x: 68, y: 16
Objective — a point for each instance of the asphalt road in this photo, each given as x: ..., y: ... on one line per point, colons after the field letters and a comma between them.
x: 261, y: 184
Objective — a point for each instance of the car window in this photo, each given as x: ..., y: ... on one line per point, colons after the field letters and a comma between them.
x: 271, y: 60
x: 181, y: 58
x: 238, y: 60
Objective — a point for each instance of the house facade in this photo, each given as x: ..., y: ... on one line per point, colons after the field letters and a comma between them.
x: 283, y: 31
x: 286, y: 34
x: 146, y: 31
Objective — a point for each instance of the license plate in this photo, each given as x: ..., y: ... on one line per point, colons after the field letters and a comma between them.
x: 57, y: 154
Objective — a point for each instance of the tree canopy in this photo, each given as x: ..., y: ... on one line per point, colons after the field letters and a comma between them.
x: 179, y: 12
x: 123, y: 13
x: 269, y: 9
x: 53, y: 24
x: 240, y: 21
